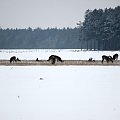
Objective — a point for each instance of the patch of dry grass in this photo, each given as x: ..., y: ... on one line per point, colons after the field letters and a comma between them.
x: 66, y: 62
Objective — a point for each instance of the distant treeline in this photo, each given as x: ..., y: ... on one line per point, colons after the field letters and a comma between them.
x: 39, y: 38
x: 99, y: 31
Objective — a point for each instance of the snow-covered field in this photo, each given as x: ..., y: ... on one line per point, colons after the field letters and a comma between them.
x: 59, y: 92
x: 66, y: 54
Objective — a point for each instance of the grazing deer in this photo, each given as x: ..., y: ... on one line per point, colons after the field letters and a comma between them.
x: 107, y: 58
x: 54, y: 58
x: 13, y: 59
x: 115, y: 57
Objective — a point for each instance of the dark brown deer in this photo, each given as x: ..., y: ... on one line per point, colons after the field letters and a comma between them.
x: 54, y: 58
x: 13, y: 59
x: 115, y: 57
x: 107, y: 58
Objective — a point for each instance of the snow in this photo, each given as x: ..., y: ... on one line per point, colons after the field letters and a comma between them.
x: 59, y: 92
x: 69, y: 92
x: 66, y: 54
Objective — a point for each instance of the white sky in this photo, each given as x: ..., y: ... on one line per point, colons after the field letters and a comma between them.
x: 47, y: 13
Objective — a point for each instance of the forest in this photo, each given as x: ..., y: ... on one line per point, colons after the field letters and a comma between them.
x: 100, y: 30
x: 50, y: 38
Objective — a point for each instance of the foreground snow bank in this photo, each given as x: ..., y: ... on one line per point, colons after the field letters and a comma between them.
x: 59, y: 93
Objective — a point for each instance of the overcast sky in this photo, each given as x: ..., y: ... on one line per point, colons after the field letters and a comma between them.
x: 47, y: 13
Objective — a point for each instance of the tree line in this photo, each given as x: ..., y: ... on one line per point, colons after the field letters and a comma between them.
x: 50, y: 38
x: 99, y: 31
